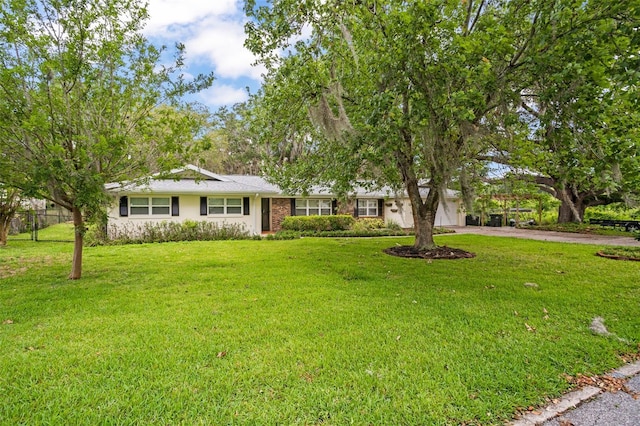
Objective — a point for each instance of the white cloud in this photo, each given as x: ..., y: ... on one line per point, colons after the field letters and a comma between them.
x: 212, y: 32
x: 167, y: 13
x: 222, y: 94
x: 222, y: 42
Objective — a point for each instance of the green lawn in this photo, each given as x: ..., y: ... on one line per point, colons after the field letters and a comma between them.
x: 309, y: 331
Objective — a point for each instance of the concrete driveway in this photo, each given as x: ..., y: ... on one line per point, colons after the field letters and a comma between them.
x: 564, y: 237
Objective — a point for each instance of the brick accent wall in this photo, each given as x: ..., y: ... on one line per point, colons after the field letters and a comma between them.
x: 280, y: 208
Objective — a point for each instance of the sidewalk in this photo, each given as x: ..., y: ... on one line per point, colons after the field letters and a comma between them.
x: 593, y: 406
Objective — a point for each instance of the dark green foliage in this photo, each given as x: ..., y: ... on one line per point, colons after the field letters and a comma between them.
x: 284, y: 235
x: 318, y: 223
x: 356, y: 233
x: 171, y: 231
x: 389, y: 231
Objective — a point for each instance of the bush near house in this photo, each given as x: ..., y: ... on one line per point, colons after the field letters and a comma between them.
x: 368, y: 224
x: 162, y: 232
x: 341, y: 222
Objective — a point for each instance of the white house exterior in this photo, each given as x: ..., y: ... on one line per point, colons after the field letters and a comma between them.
x: 195, y: 194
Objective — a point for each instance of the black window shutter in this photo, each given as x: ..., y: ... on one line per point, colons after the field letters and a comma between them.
x: 355, y: 208
x: 334, y: 206
x: 203, y: 206
x: 381, y: 207
x: 245, y: 206
x: 175, y: 206
x: 124, y: 206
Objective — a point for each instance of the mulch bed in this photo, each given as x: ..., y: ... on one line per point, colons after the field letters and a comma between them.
x: 614, y: 257
x: 443, y: 252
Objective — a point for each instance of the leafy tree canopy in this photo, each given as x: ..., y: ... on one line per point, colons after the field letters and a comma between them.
x: 400, y: 93
x: 80, y: 89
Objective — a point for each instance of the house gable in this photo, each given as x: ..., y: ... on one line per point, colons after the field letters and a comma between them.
x: 193, y: 172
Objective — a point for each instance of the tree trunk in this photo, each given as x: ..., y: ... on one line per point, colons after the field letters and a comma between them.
x: 4, y: 230
x: 78, y: 226
x: 424, y: 213
x: 8, y: 207
x: 572, y: 207
x: 566, y: 213
x: 424, y: 218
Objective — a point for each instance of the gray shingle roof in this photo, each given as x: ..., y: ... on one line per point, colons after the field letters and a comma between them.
x: 212, y: 183
x: 192, y: 186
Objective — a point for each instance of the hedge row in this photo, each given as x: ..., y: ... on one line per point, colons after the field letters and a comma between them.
x: 318, y: 223
x: 386, y: 232
x: 161, y: 232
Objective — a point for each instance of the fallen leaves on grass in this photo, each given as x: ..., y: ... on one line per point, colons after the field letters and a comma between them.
x: 633, y: 357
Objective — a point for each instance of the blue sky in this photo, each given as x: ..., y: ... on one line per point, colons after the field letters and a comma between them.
x: 213, y: 33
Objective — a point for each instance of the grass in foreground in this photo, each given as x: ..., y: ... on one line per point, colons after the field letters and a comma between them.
x: 308, y: 331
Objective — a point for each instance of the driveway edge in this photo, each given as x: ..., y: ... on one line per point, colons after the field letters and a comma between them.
x: 574, y: 398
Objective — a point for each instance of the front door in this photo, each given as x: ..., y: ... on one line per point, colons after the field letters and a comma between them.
x: 266, y: 214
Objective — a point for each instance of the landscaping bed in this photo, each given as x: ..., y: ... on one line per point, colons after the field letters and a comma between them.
x: 579, y: 228
x: 620, y: 253
x: 442, y: 252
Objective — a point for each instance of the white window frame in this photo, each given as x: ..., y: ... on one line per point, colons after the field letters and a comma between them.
x: 368, y: 207
x: 314, y: 207
x: 225, y: 208
x: 152, y: 203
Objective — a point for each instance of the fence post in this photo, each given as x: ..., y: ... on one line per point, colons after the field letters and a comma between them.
x: 35, y: 226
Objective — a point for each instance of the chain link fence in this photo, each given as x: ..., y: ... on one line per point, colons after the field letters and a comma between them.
x: 27, y: 224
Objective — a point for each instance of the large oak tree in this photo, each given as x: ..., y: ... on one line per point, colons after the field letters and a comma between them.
x: 581, y: 139
x: 396, y: 92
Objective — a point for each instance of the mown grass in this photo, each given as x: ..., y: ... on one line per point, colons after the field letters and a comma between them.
x: 58, y: 233
x: 309, y: 331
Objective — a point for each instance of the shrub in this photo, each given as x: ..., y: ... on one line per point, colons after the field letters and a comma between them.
x: 95, y: 236
x: 605, y: 214
x: 367, y: 224
x: 393, y: 225
x: 284, y: 235
x: 318, y: 223
x: 189, y: 230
